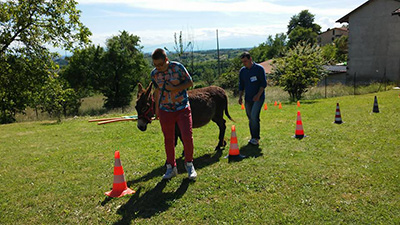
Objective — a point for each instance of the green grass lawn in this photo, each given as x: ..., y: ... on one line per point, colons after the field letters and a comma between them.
x: 57, y: 173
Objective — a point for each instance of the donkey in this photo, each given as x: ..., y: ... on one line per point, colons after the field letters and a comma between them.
x: 207, y: 104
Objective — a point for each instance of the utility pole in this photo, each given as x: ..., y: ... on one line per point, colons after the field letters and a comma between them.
x: 219, y: 63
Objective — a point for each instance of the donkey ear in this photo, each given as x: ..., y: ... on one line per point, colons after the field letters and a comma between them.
x: 148, y: 91
x: 140, y: 89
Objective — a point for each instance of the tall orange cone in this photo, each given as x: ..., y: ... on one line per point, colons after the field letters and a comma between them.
x: 299, y: 134
x: 119, y: 185
x: 234, y: 147
x: 275, y: 103
x: 338, y: 117
x: 376, y: 107
x: 242, y: 106
x: 298, y: 104
x: 280, y: 105
x: 265, y: 106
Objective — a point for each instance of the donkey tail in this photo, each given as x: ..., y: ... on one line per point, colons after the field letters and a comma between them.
x: 226, y: 109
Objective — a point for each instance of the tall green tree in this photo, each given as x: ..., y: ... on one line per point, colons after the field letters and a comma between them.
x: 230, y: 78
x: 58, y: 100
x: 27, y: 29
x: 341, y: 48
x: 273, y: 47
x: 329, y: 53
x: 301, y: 27
x: 123, y: 67
x: 300, y: 68
x: 83, y: 70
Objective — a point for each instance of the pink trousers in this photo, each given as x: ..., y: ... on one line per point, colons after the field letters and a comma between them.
x: 184, y: 120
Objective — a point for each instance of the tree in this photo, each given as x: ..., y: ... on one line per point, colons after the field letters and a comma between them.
x: 302, y: 34
x: 273, y: 47
x: 341, y: 48
x: 278, y: 45
x: 301, y: 27
x: 329, y: 53
x: 230, y: 79
x: 183, y: 53
x: 27, y: 28
x: 301, y: 67
x: 33, y: 23
x: 58, y: 100
x: 123, y: 67
x: 83, y: 70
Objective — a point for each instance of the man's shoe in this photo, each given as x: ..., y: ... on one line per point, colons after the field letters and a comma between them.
x: 254, y: 141
x: 191, y: 171
x: 170, y: 173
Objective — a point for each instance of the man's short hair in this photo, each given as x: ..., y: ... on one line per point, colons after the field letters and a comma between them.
x: 245, y: 54
x: 159, y: 53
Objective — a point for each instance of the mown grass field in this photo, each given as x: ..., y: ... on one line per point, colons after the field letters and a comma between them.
x: 57, y: 173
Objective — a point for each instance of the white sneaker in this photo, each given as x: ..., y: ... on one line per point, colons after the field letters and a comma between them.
x: 191, y: 171
x: 170, y: 173
x: 254, y: 141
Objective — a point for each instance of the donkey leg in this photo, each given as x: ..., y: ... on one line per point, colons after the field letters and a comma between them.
x: 178, y: 134
x: 222, y: 127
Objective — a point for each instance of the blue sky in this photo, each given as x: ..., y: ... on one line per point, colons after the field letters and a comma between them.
x: 240, y: 23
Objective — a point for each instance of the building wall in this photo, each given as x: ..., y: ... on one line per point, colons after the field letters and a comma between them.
x: 374, y: 42
x: 330, y: 35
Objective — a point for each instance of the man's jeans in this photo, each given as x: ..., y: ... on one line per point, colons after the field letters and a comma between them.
x: 253, y: 113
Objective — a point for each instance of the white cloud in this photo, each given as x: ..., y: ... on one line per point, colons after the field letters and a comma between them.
x: 222, y: 6
x: 166, y: 36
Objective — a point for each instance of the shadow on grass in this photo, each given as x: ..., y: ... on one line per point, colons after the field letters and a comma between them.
x: 152, y: 202
x: 199, y: 163
x: 251, y: 151
x: 155, y: 201
x: 248, y: 151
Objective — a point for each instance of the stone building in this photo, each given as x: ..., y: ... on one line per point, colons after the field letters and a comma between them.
x: 374, y: 41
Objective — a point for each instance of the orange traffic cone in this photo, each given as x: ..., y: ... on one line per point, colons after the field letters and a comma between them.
x: 338, y: 117
x: 280, y: 105
x: 234, y: 147
x: 265, y: 106
x: 275, y: 103
x: 376, y: 107
x: 242, y: 106
x: 298, y: 104
x: 119, y: 185
x: 299, y: 134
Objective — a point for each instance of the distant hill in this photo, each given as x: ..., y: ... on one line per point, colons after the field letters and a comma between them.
x: 208, y: 55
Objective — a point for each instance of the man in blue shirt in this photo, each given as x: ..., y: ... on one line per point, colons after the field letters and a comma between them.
x: 253, y: 81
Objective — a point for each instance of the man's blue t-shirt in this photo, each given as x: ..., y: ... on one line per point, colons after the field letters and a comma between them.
x: 250, y: 80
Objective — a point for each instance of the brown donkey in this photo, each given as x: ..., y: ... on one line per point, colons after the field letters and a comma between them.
x: 207, y: 104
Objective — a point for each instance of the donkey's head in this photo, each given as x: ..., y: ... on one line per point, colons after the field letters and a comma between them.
x: 144, y: 106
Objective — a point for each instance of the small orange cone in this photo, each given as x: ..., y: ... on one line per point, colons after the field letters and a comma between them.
x: 234, y: 147
x: 280, y: 105
x: 265, y: 106
x: 376, y: 107
x: 299, y: 134
x: 119, y: 185
x: 275, y: 103
x: 338, y: 117
x: 298, y: 104
x: 242, y: 106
